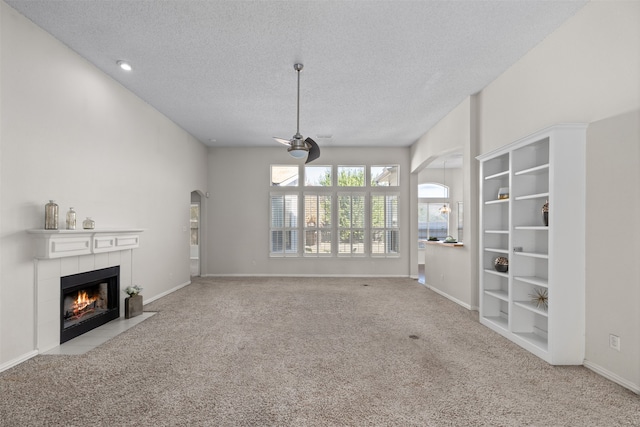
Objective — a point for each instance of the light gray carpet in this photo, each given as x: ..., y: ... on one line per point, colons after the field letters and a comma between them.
x: 308, y: 352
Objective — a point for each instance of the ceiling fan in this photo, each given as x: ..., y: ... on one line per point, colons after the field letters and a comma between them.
x: 298, y: 146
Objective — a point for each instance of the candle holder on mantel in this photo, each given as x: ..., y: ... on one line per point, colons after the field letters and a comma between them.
x: 88, y: 224
x: 51, y: 216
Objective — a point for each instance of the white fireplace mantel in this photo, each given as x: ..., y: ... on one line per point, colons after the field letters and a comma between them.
x: 60, y: 253
x: 50, y: 244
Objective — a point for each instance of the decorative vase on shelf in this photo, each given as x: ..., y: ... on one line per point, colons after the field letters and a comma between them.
x: 71, y: 219
x: 88, y: 224
x: 545, y: 213
x: 503, y: 193
x: 501, y: 264
x: 132, y: 306
x: 51, y: 216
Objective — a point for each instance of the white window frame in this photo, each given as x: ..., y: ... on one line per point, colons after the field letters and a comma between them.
x: 391, y: 226
x: 365, y: 170
x: 287, y: 230
x: 354, y: 252
x: 314, y: 231
x: 300, y: 230
x: 372, y: 176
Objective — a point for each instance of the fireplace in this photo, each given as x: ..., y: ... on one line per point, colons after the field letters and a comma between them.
x: 88, y: 300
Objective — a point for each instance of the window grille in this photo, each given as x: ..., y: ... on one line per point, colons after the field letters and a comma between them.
x: 384, y: 224
x: 284, y: 225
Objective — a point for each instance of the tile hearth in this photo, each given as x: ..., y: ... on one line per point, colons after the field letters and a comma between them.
x: 98, y: 336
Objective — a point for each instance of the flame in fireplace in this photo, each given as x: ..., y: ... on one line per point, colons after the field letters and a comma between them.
x: 83, y: 305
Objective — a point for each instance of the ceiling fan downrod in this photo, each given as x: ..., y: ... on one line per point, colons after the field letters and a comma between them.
x: 298, y: 68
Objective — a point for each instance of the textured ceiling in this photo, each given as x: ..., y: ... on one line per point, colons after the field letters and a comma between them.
x: 376, y: 73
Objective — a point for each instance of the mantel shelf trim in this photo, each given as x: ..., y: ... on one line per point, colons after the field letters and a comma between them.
x: 50, y: 244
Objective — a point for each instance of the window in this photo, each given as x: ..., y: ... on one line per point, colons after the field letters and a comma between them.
x: 433, y: 191
x: 324, y: 211
x: 351, y: 224
x: 317, y: 176
x: 317, y: 224
x: 195, y: 223
x: 284, y: 176
x: 284, y: 224
x: 431, y: 222
x: 351, y: 176
x: 384, y: 176
x: 384, y: 224
x: 460, y: 222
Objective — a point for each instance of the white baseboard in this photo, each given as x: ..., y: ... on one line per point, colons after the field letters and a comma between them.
x: 27, y: 356
x: 18, y: 360
x: 611, y: 376
x: 449, y: 297
x: 164, y: 294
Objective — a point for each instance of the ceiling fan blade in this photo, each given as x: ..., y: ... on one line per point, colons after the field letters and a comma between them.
x: 314, y: 150
x: 282, y: 140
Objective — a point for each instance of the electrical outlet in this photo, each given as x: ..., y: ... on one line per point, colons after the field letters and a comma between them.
x: 614, y: 342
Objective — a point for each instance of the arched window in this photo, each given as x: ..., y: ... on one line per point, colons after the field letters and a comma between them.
x: 432, y: 190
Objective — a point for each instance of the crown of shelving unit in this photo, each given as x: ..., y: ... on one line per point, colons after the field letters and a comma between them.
x: 548, y: 166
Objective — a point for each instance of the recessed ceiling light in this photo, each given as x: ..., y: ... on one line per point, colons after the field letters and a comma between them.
x: 124, y: 65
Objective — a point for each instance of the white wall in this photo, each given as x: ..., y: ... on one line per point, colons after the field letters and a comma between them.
x: 73, y: 134
x: 238, y: 240
x: 454, y: 133
x: 613, y: 271
x: 586, y: 71
x: 446, y: 267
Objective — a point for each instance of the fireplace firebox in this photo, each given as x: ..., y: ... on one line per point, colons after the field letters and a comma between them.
x: 88, y: 300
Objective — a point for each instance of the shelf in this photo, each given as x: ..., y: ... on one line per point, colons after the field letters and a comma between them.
x: 497, y: 273
x: 501, y: 295
x: 497, y: 175
x: 497, y: 250
x: 534, y: 339
x: 528, y: 305
x: 535, y: 170
x: 540, y: 167
x: 533, y: 196
x: 533, y: 280
x: 50, y: 244
x: 499, y: 321
x: 532, y: 227
x: 497, y: 201
x: 441, y: 243
x: 533, y: 254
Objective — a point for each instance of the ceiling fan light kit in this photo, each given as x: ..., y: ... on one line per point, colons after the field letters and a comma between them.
x: 298, y: 146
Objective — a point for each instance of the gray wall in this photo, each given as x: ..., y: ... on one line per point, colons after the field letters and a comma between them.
x: 238, y: 214
x: 613, y: 271
x: 73, y: 134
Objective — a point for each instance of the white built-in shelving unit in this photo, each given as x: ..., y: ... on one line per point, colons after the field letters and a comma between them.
x: 546, y: 166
